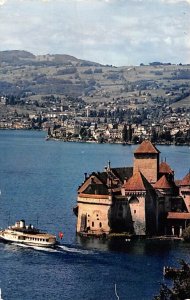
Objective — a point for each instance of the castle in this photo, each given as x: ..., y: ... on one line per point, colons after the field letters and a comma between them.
x: 143, y: 200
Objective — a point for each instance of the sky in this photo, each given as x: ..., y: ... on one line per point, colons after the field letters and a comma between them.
x: 114, y: 32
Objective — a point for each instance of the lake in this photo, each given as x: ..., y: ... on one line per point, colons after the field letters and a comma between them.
x: 38, y: 183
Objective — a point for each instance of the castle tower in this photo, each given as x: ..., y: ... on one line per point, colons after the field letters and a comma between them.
x: 142, y: 202
x: 166, y: 188
x: 146, y: 161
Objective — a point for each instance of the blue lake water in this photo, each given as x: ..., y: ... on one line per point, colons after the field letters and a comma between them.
x: 38, y: 183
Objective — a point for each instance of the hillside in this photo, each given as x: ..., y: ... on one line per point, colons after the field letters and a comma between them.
x: 31, y: 77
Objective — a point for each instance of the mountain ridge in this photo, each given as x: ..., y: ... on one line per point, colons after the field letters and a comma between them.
x: 19, y: 55
x: 30, y: 76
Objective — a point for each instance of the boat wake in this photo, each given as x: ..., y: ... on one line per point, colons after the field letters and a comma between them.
x: 58, y: 249
x: 73, y: 250
x: 45, y: 249
x: 36, y: 247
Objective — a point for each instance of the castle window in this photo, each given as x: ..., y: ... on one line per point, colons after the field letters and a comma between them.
x: 134, y: 211
x: 96, y: 215
x: 100, y: 224
x: 92, y: 224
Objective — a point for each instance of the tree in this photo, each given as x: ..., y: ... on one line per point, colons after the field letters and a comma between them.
x: 135, y: 139
x: 49, y: 131
x: 181, y: 284
x: 83, y: 132
x: 186, y: 234
x: 124, y: 133
x: 168, y: 136
x: 130, y: 133
x: 127, y: 133
x: 154, y: 135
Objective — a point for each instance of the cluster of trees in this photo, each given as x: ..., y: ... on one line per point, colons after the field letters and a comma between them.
x: 181, y: 284
x: 179, y: 138
x: 85, y: 133
x: 186, y: 234
x: 127, y: 133
x: 182, y: 74
x: 66, y: 71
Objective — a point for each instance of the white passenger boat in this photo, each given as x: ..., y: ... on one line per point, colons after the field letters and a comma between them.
x: 28, y: 235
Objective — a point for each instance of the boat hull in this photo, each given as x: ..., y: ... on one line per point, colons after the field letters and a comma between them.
x: 8, y: 241
x: 30, y: 240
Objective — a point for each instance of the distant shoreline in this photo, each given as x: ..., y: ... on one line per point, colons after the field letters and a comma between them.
x: 115, y: 143
x: 91, y: 141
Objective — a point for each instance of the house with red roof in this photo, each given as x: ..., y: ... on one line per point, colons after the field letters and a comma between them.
x: 143, y: 200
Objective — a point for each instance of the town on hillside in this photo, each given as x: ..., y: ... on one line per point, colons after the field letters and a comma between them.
x: 142, y: 200
x: 104, y: 124
x: 78, y: 100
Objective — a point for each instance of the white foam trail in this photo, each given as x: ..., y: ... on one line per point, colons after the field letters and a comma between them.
x: 45, y: 249
x: 36, y: 248
x: 73, y: 250
x: 21, y: 245
x: 59, y: 249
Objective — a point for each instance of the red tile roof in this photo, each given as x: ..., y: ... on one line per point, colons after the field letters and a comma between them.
x: 146, y: 147
x: 178, y: 182
x: 165, y: 168
x: 136, y: 183
x: 186, y: 180
x: 178, y: 215
x: 163, y: 183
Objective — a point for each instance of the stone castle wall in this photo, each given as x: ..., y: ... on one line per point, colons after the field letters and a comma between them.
x: 94, y: 212
x: 137, y: 207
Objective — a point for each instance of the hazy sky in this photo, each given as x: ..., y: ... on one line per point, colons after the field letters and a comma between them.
x: 118, y: 32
